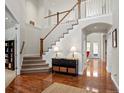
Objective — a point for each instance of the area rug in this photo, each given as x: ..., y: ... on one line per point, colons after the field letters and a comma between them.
x: 61, y: 88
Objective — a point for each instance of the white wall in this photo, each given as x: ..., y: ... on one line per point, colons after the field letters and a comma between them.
x: 32, y: 40
x: 113, y: 53
x: 17, y: 8
x: 112, y: 59
x: 42, y: 12
x: 10, y: 34
x: 32, y: 11
x: 84, y: 42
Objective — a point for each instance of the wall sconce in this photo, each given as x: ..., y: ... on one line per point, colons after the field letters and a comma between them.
x: 73, y: 49
x: 56, y: 50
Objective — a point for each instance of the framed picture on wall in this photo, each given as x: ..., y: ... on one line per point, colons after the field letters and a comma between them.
x: 114, y: 38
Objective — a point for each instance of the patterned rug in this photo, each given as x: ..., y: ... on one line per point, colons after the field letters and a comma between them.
x: 61, y: 88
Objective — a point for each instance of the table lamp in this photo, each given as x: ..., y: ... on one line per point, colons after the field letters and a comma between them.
x: 56, y: 49
x: 73, y: 49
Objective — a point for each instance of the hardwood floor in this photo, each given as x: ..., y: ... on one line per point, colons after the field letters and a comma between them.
x: 95, y: 78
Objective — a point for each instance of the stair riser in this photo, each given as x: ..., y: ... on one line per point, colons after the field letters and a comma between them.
x: 32, y: 58
x: 33, y: 62
x: 34, y: 71
x: 35, y: 66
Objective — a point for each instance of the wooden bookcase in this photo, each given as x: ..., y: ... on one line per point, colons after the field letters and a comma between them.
x: 9, y: 54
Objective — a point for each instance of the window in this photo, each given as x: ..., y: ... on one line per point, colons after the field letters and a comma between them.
x: 95, y: 49
x: 88, y: 46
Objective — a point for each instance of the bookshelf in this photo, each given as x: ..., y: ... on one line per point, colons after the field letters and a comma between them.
x: 9, y: 55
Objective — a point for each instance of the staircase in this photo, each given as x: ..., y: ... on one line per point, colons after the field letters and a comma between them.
x: 34, y: 65
x: 57, y: 34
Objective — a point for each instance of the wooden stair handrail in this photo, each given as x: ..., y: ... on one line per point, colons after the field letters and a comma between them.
x: 22, y: 47
x: 61, y: 20
x: 56, y: 14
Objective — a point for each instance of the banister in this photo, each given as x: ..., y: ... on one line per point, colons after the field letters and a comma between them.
x: 56, y: 14
x: 22, y: 47
x: 61, y: 20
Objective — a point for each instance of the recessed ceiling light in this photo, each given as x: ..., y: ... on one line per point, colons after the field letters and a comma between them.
x: 6, y: 18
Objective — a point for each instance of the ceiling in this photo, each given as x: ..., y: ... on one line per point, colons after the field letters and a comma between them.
x: 9, y: 19
x: 97, y: 28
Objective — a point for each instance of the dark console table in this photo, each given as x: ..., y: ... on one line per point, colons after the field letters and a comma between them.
x: 66, y: 66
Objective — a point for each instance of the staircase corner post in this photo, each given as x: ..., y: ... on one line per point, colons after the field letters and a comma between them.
x: 79, y: 9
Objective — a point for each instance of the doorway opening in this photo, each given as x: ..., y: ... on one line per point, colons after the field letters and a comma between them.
x: 10, y: 47
x: 96, y: 46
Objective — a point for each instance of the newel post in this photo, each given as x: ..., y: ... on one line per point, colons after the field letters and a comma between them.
x: 41, y: 47
x: 79, y: 9
x: 57, y: 17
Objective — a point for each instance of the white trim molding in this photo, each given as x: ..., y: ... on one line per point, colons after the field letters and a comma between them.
x: 80, y: 73
x: 115, y: 82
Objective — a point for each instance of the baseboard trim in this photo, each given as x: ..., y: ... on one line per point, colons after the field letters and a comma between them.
x: 115, y: 82
x: 80, y: 73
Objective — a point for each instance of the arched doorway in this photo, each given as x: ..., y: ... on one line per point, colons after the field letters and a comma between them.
x: 94, y: 43
x: 95, y: 40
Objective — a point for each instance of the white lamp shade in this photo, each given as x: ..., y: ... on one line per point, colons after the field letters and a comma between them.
x: 56, y: 49
x: 73, y: 49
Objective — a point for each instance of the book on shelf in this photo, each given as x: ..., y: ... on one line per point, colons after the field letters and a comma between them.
x: 9, y: 54
x: 12, y: 44
x: 7, y: 50
x: 6, y: 44
x: 6, y: 55
x: 9, y: 65
x: 11, y: 59
x: 6, y: 60
x: 11, y: 49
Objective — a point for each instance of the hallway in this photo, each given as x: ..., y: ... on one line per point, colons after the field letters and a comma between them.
x: 95, y: 79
